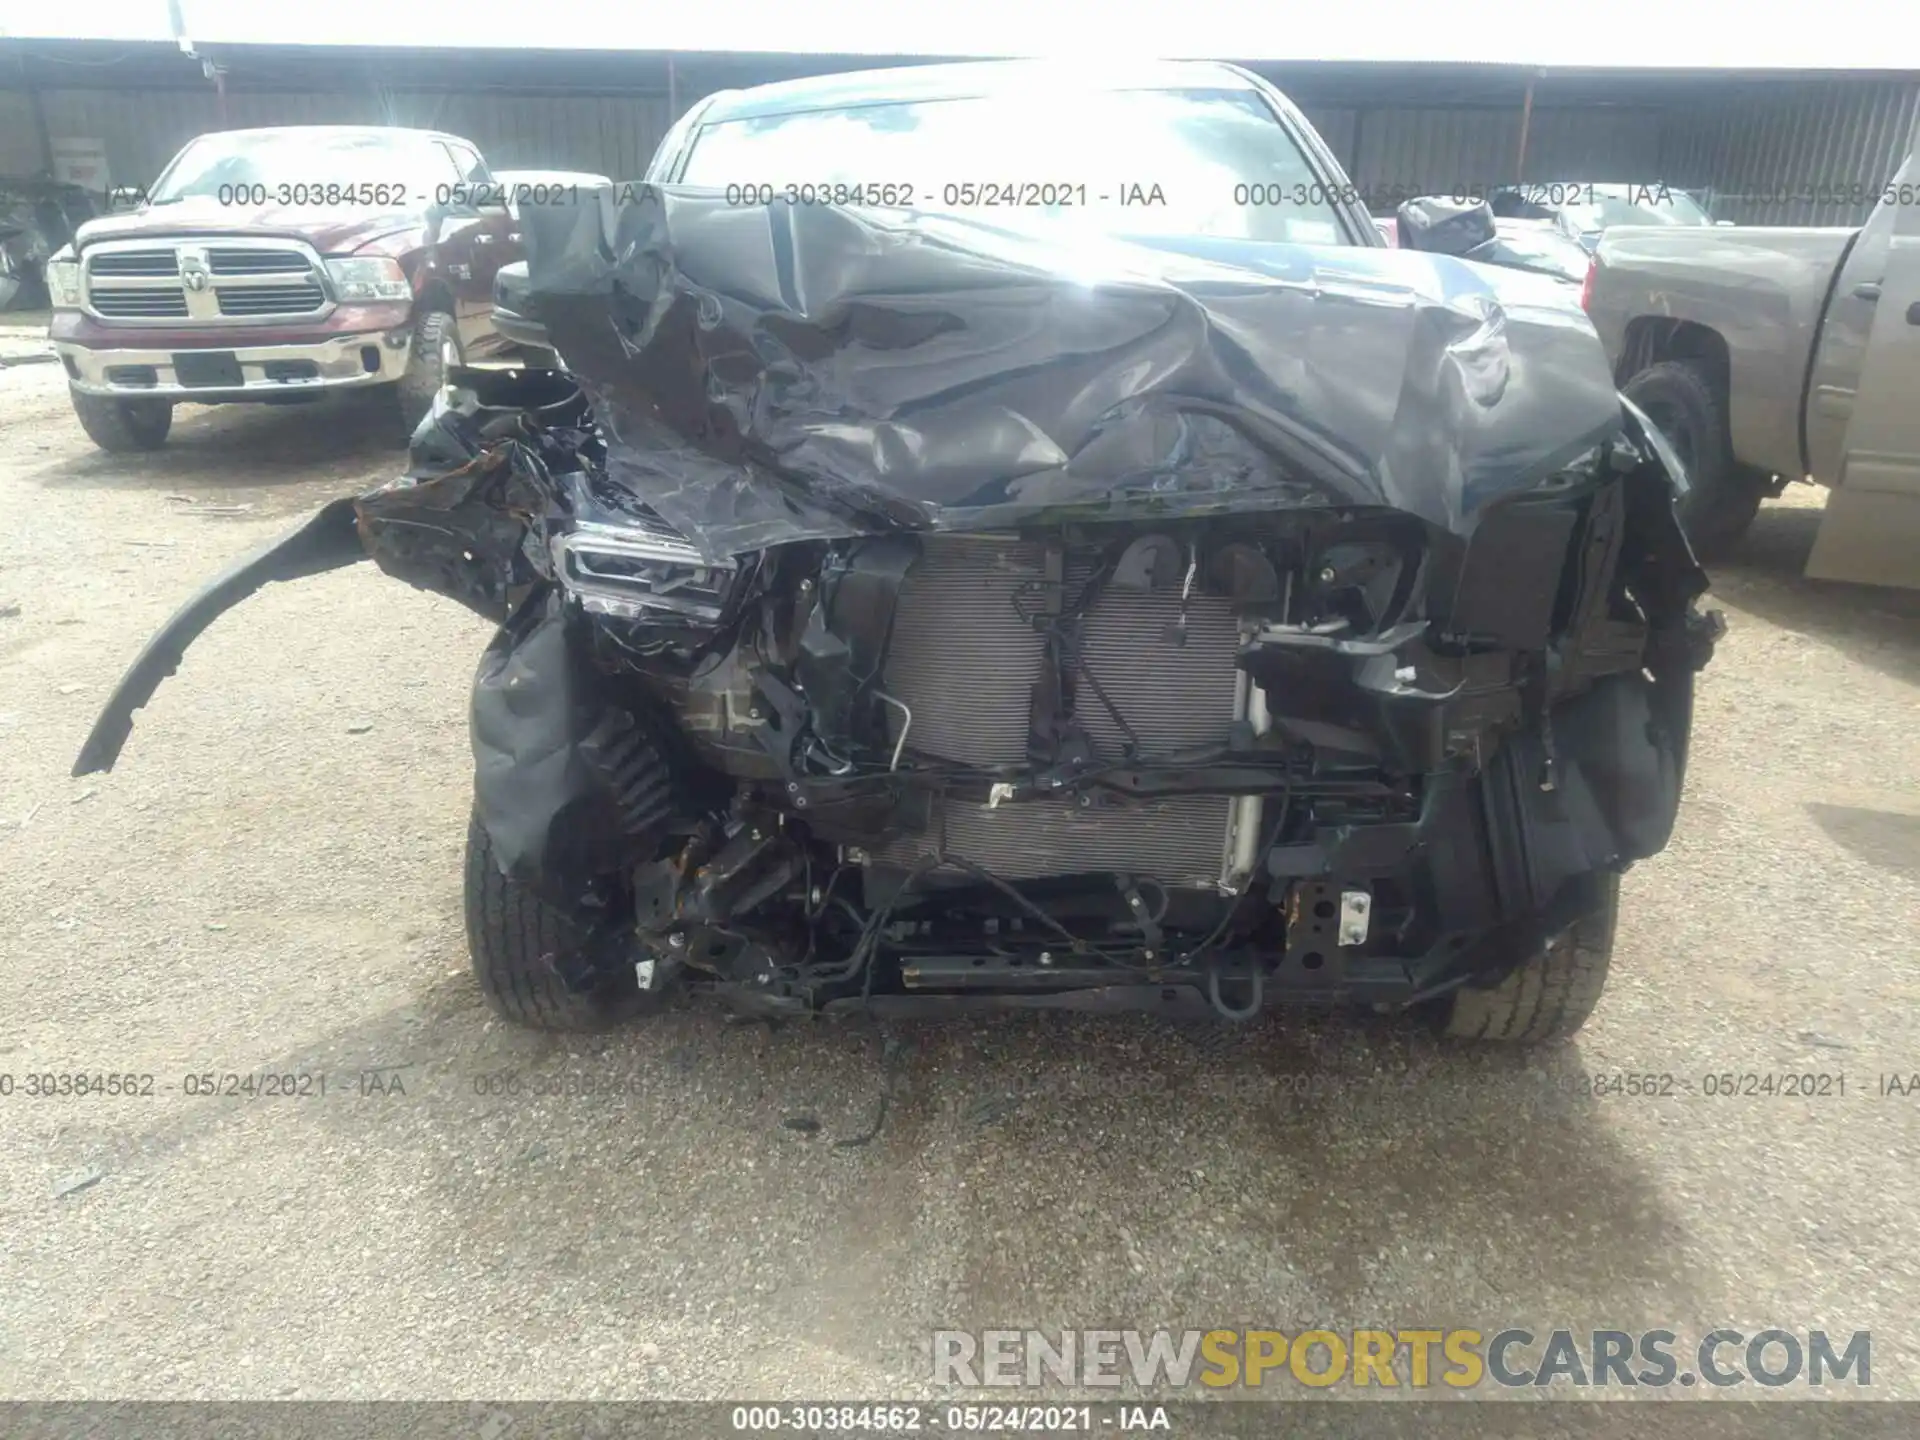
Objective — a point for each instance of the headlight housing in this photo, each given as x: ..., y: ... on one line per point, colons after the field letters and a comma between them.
x: 369, y: 277
x: 63, y: 281
x: 632, y: 573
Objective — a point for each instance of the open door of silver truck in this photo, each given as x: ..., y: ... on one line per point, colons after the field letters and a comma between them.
x: 1871, y: 531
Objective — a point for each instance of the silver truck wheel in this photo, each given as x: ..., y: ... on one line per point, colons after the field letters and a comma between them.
x: 1723, y: 496
x: 122, y: 426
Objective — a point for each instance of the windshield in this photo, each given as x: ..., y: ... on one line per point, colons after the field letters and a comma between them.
x: 293, y: 167
x: 1637, y: 205
x: 1209, y: 163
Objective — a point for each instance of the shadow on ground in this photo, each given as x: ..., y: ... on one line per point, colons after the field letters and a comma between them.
x: 1030, y: 1170
x: 246, y: 447
x: 1886, y: 839
x: 1875, y: 625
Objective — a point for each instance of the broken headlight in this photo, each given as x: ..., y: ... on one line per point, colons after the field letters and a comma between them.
x: 635, y: 574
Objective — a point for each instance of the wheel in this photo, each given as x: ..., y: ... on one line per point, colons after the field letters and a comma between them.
x: 121, y: 426
x: 1550, y: 996
x: 436, y: 347
x: 512, y: 937
x: 1723, y: 496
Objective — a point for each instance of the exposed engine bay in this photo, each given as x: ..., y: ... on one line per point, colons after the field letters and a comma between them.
x: 868, y: 642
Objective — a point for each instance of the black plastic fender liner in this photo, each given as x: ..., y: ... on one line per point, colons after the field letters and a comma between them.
x: 326, y: 540
x: 570, y: 788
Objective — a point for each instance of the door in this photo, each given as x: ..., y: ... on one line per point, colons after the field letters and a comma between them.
x: 1871, y: 531
x: 481, y: 237
x: 1842, y: 343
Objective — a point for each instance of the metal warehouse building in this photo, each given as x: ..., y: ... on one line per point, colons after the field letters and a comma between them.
x: 1766, y: 147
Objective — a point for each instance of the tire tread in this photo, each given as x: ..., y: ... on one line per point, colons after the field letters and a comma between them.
x: 1551, y: 995
x: 421, y: 381
x: 109, y: 423
x: 512, y: 937
x: 1724, y: 496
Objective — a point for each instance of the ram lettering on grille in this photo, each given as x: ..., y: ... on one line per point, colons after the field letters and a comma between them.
x: 965, y: 662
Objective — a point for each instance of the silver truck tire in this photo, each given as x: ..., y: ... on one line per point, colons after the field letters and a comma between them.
x: 121, y: 427
x: 1550, y: 996
x: 1723, y: 496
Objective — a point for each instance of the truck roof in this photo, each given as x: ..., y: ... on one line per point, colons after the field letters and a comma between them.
x: 968, y: 80
x: 342, y: 131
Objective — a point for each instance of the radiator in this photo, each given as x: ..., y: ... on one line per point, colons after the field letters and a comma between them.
x: 964, y: 662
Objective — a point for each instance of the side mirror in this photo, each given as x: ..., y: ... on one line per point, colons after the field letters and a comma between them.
x: 1441, y: 226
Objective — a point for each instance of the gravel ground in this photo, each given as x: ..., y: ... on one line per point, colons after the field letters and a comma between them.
x: 270, y: 882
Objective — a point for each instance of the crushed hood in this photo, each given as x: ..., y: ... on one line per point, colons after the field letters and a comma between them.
x: 777, y: 373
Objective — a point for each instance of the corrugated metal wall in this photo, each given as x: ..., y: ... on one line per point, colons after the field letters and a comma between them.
x: 1467, y: 151
x: 612, y: 134
x: 19, y: 143
x: 1336, y: 127
x: 1766, y: 155
x: 1797, y: 153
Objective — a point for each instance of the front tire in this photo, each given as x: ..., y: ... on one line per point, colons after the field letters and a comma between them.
x: 436, y: 341
x: 1723, y: 496
x: 122, y: 426
x: 1551, y: 994
x: 513, y: 938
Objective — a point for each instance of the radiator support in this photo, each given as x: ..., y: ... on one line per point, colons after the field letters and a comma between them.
x: 964, y: 660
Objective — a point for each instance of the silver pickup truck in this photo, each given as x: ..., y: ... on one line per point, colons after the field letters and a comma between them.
x: 1776, y: 353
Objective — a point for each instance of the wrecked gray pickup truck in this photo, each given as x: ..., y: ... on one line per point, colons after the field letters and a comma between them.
x: 905, y: 607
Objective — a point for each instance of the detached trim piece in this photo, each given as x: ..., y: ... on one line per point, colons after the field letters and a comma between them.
x: 326, y: 541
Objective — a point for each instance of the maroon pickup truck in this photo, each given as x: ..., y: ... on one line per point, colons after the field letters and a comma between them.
x: 270, y: 265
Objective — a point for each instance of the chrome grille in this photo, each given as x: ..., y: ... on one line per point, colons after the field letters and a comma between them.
x: 135, y: 262
x: 120, y: 302
x: 297, y: 299
x: 204, y: 281
x: 965, y: 662
x: 224, y: 260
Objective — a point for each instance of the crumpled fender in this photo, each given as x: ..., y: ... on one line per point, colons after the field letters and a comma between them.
x: 453, y: 525
x: 459, y: 529
x: 326, y: 540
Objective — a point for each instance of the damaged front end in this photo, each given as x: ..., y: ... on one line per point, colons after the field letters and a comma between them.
x: 899, y: 613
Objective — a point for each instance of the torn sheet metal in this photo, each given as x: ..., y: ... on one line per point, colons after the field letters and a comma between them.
x: 470, y: 519
x: 787, y: 372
